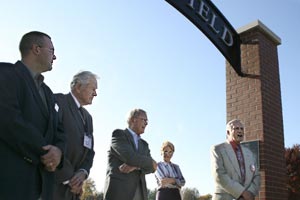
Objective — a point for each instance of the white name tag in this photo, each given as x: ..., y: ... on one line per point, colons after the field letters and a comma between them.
x: 87, y: 141
x: 56, y: 107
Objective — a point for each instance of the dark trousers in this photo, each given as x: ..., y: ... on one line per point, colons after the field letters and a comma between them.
x: 63, y: 192
x: 138, y: 193
x: 168, y: 194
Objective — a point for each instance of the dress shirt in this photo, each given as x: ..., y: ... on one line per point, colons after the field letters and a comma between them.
x: 75, y: 99
x: 169, y: 170
x: 38, y: 81
x: 136, y: 138
x: 240, y: 158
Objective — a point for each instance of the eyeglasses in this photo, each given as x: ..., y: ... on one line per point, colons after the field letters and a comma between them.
x: 144, y: 119
x: 168, y: 152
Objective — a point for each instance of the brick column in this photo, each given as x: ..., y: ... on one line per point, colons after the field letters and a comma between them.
x: 256, y: 100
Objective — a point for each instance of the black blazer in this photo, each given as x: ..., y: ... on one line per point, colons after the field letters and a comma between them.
x: 76, y: 156
x: 26, y: 125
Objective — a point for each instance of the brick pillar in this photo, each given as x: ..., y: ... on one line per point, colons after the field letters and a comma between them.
x: 256, y: 100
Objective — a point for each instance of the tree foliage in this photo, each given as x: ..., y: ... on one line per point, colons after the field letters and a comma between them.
x: 152, y: 194
x: 205, y: 197
x: 292, y: 157
x: 90, y: 192
x: 189, y: 193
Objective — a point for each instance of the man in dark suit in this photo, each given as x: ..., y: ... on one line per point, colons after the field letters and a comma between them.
x: 31, y: 140
x: 129, y: 160
x: 78, y: 127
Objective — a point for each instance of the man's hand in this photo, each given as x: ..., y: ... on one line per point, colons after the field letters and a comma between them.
x: 52, y: 158
x: 76, y: 182
x: 247, y: 195
x: 124, y: 168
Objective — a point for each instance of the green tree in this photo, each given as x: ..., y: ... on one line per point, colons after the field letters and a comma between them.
x: 189, y: 194
x: 152, y: 194
x: 90, y: 192
x: 100, y: 196
x: 292, y: 157
x: 205, y: 197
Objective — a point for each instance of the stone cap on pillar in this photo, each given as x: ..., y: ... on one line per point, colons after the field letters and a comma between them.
x: 259, y: 25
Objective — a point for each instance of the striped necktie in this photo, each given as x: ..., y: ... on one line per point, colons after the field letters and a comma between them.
x: 241, y: 162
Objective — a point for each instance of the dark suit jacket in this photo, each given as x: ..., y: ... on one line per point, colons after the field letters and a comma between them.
x: 76, y: 156
x: 26, y: 125
x: 121, y: 186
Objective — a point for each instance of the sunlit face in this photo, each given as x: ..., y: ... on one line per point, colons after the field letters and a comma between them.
x: 139, y: 123
x: 86, y: 93
x: 46, y: 55
x: 167, y: 154
x: 236, y: 133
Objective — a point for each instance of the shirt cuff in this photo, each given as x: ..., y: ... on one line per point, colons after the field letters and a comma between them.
x: 85, y: 172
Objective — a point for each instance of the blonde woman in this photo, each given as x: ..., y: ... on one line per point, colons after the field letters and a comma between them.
x: 168, y: 175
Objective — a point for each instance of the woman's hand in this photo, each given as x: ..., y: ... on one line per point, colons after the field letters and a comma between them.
x: 167, y: 181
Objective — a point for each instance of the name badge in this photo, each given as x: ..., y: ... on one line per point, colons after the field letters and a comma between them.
x: 56, y: 107
x: 252, y: 168
x: 87, y: 141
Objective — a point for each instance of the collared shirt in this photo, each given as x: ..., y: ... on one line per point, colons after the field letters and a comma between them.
x: 38, y: 80
x: 75, y: 99
x: 240, y: 157
x: 37, y: 77
x: 169, y: 170
x: 79, y: 110
x: 136, y: 137
x: 235, y: 146
x: 83, y: 170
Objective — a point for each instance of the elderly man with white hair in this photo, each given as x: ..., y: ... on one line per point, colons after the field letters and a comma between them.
x: 234, y: 167
x: 78, y: 127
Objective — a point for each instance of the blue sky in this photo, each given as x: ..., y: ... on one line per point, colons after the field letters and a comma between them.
x: 148, y: 55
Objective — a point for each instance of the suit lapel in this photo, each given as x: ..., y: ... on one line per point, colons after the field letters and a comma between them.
x: 73, y: 108
x: 141, y: 146
x: 50, y: 101
x: 232, y: 157
x: 248, y: 160
x: 130, y: 138
x: 25, y: 74
x: 75, y: 112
